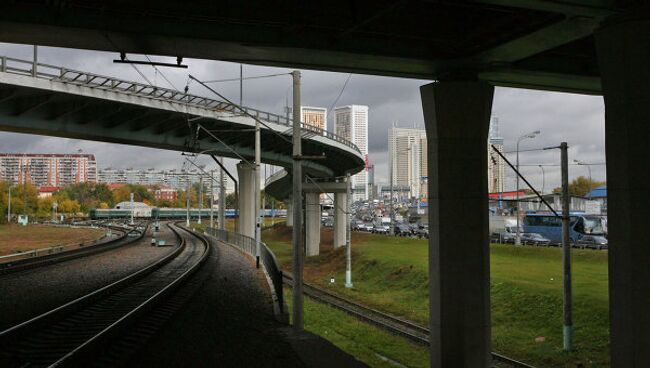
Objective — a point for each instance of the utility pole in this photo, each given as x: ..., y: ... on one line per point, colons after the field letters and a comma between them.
x: 241, y: 85
x: 35, y: 66
x: 25, y: 172
x: 348, y: 233
x: 222, y: 198
x: 258, y: 220
x: 567, y: 332
x: 200, y: 197
x: 9, y: 205
x: 187, y: 201
x: 132, y: 209
x: 297, y: 241
x: 211, y: 198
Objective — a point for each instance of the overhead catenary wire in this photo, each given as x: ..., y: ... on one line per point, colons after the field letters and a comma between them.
x: 246, y: 78
x: 341, y: 92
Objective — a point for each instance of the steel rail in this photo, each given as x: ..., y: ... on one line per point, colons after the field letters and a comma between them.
x: 99, y: 316
x: 58, y: 257
x: 390, y: 323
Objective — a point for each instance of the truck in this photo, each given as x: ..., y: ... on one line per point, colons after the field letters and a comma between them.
x: 503, y: 229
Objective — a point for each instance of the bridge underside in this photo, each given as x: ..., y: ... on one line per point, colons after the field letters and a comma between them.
x: 468, y: 47
x: 533, y: 44
x: 31, y: 108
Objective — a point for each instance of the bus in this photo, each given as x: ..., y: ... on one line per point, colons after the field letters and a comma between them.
x: 550, y: 226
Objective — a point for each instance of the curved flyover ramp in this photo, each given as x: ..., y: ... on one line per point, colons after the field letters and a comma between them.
x: 60, y: 102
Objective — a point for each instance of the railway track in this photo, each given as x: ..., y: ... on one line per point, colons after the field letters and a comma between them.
x: 76, y: 334
x: 29, y: 263
x: 390, y: 323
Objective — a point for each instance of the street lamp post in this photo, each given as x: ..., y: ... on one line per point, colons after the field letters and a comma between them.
x: 529, y: 135
x: 543, y: 182
x: 580, y: 163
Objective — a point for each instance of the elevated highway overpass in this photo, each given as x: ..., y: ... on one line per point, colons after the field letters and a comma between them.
x: 582, y: 46
x: 61, y: 102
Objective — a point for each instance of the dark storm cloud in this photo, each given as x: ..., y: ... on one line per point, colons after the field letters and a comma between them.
x: 579, y: 120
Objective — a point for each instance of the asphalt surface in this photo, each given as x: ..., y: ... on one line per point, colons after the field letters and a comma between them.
x: 229, y: 322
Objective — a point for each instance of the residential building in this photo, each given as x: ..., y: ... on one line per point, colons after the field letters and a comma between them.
x: 314, y: 116
x: 495, y: 164
x: 351, y: 123
x: 47, y: 169
x: 407, y: 159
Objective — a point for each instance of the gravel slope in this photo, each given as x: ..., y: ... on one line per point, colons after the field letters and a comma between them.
x: 26, y: 294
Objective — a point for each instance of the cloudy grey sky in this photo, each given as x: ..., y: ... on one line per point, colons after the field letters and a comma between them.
x: 576, y: 119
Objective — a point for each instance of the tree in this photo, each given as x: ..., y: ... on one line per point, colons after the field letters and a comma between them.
x: 231, y: 200
x: 581, y: 186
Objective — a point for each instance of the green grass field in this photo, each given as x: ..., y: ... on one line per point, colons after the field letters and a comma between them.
x: 526, y: 292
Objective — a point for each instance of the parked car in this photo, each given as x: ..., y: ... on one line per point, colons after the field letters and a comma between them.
x: 503, y: 237
x: 402, y: 230
x: 423, y: 231
x: 592, y: 241
x: 381, y: 229
x: 369, y: 227
x: 534, y: 239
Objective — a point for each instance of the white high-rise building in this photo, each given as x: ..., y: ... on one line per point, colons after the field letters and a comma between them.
x: 351, y: 123
x: 314, y: 116
x: 495, y: 164
x: 407, y: 157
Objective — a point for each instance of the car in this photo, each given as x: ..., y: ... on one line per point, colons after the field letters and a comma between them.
x: 534, y: 239
x: 423, y: 231
x: 381, y: 229
x: 402, y: 230
x: 592, y: 241
x: 369, y: 227
x: 503, y: 237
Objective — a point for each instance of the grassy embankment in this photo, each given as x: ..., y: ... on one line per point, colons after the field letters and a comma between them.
x: 16, y: 238
x: 526, y: 293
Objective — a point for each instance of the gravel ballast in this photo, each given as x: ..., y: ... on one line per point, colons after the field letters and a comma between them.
x: 29, y: 293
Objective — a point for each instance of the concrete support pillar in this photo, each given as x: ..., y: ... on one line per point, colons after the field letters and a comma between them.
x: 456, y: 115
x: 340, y: 219
x: 289, y: 205
x: 246, y: 173
x: 623, y: 47
x: 312, y: 223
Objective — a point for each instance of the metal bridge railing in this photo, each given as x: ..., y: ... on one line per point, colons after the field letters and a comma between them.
x: 71, y: 76
x: 247, y: 245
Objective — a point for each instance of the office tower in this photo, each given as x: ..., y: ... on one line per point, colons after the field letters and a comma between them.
x: 314, y: 116
x: 407, y: 159
x: 351, y: 123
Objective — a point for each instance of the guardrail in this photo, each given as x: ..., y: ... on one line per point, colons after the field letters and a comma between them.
x: 247, y: 245
x: 71, y: 76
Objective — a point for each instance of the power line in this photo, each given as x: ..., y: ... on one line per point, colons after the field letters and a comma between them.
x: 340, y: 93
x: 161, y: 73
x: 247, y: 78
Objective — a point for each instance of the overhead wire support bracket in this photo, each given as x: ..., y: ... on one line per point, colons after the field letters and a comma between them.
x: 124, y: 60
x: 524, y: 179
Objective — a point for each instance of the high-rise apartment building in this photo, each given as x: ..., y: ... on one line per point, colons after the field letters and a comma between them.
x: 314, y: 116
x: 495, y: 164
x: 351, y: 123
x: 48, y: 170
x: 175, y: 179
x: 407, y: 157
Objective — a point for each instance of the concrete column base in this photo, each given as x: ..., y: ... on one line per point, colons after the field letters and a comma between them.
x: 246, y: 173
x: 340, y: 219
x: 312, y: 223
